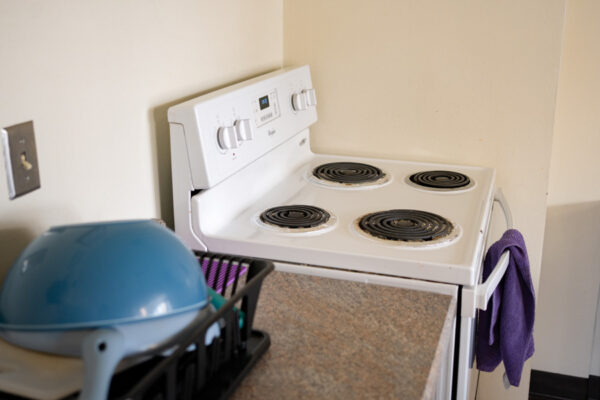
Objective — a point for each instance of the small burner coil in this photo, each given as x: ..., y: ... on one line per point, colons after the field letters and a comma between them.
x: 440, y: 179
x: 348, y: 172
x: 295, y: 216
x: 406, y: 225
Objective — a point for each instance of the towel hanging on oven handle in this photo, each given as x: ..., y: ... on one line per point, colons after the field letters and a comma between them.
x: 481, y: 295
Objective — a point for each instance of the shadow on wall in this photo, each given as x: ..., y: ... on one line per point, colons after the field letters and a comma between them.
x: 159, y: 124
x: 568, y: 291
x: 12, y: 243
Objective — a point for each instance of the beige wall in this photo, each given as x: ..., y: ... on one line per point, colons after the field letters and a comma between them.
x: 96, y: 77
x: 454, y: 81
x: 570, y: 279
x: 576, y: 148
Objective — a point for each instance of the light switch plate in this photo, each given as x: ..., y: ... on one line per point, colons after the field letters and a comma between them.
x: 20, y: 157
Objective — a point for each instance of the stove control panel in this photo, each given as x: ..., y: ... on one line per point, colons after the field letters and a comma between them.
x: 228, y: 129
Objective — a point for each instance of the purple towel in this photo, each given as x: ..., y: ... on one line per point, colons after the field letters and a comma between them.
x: 505, y: 329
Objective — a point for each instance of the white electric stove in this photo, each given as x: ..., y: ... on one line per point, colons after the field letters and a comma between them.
x: 246, y: 182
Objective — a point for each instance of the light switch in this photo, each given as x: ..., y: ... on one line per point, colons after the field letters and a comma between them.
x: 20, y: 158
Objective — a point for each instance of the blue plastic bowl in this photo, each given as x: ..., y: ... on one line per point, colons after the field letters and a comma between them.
x: 101, y: 274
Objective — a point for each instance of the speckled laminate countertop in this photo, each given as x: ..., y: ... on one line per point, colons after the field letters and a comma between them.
x: 338, y: 339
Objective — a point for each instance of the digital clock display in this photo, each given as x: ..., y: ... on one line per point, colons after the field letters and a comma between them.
x: 263, y: 102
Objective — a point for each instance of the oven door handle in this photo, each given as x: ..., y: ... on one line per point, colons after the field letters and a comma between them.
x: 482, y: 293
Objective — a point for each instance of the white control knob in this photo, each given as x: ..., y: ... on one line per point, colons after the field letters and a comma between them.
x: 226, y: 138
x: 311, y: 97
x: 299, y: 102
x: 243, y: 129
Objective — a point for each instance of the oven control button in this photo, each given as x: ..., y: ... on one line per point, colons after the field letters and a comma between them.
x: 243, y: 129
x: 299, y: 101
x: 227, y: 138
x: 311, y: 97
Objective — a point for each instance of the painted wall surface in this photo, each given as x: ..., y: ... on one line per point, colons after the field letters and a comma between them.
x: 570, y: 279
x: 97, y: 78
x: 459, y: 82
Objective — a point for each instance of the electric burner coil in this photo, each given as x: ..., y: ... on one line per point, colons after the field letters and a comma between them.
x: 295, y: 216
x: 440, y: 179
x: 406, y: 225
x: 350, y: 173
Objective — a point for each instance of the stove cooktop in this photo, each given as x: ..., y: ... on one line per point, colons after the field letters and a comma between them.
x: 448, y: 250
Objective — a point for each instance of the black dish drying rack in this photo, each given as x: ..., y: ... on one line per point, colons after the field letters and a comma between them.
x: 194, y: 370
x: 214, y: 371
